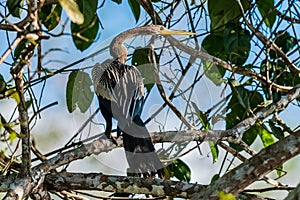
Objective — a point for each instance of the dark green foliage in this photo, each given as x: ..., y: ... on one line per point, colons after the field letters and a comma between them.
x: 135, y: 8
x: 50, y: 15
x: 276, y: 130
x: 213, y: 45
x: 222, y: 12
x: 2, y: 85
x: 237, y: 44
x: 265, y: 7
x: 278, y: 73
x: 141, y: 58
x: 84, y: 35
x: 15, y: 7
x: 232, y: 44
x: 240, y: 106
x: 20, y: 47
x: 179, y: 170
x: 79, y: 91
x: 214, y: 178
x: 117, y: 1
x: 285, y: 42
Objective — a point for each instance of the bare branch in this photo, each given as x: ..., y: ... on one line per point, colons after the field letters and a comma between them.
x: 93, y: 181
x: 253, y: 169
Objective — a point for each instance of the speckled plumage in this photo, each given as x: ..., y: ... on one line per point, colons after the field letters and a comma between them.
x: 120, y: 92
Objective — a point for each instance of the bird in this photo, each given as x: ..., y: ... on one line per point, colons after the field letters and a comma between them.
x: 120, y: 91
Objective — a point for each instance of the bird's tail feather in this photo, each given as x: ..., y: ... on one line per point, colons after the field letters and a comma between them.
x: 140, y: 151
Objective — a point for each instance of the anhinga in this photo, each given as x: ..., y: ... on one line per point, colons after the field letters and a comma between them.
x: 120, y: 91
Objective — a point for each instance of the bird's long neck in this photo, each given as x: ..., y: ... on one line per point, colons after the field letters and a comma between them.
x: 117, y: 48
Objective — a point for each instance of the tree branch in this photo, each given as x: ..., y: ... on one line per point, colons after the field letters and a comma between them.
x: 108, y: 183
x: 267, y: 42
x: 253, y: 169
x: 121, y: 184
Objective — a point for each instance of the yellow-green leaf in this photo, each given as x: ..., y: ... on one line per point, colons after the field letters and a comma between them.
x: 12, y: 136
x: 13, y: 94
x: 226, y: 196
x: 72, y: 11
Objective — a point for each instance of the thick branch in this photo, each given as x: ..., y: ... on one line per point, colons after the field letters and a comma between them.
x: 253, y: 169
x: 121, y: 184
x: 94, y: 181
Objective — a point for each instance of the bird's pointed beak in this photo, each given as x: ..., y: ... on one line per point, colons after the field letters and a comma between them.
x: 175, y: 32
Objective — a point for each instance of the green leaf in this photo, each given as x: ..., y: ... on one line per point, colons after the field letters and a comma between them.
x: 79, y: 91
x: 88, y: 9
x: 141, y: 59
x: 213, y: 44
x: 237, y: 44
x: 277, y: 131
x: 241, y: 94
x: 239, y: 107
x: 15, y: 7
x: 201, y: 116
x: 266, y: 137
x: 28, y: 104
x: 285, y: 42
x: 20, y: 47
x: 50, y: 16
x: 83, y: 36
x: 264, y: 7
x: 72, y: 10
x: 12, y: 136
x: 222, y: 12
x: 12, y: 93
x: 135, y: 8
x: 180, y: 170
x: 226, y: 196
x: 279, y: 170
x: 117, y: 1
x: 214, y: 151
x: 214, y: 178
x: 2, y: 85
